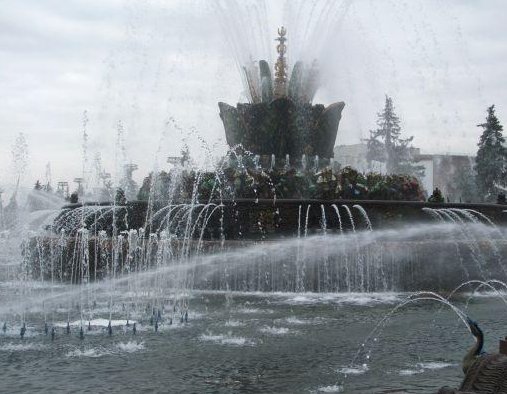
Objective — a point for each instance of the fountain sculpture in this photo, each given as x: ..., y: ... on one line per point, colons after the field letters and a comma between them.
x: 281, y: 120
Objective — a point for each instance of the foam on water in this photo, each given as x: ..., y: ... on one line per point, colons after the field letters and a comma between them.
x: 254, y: 311
x: 330, y: 389
x: 22, y: 347
x: 95, y: 352
x: 276, y: 330
x: 353, y: 370
x: 340, y: 298
x: 162, y: 327
x: 130, y: 346
x: 435, y: 365
x: 423, y: 367
x: 296, y: 321
x: 227, y: 339
x: 88, y: 352
x: 233, y: 323
x: 409, y: 372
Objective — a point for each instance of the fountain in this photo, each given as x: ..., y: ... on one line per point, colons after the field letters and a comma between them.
x: 274, y: 225
x: 277, y: 167
x: 281, y: 120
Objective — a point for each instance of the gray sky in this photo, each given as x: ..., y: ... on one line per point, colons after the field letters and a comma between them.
x: 161, y: 66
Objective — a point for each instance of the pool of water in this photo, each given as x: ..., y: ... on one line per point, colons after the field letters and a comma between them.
x: 284, y: 343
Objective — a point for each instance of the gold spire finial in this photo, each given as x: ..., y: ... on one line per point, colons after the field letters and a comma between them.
x: 280, y: 89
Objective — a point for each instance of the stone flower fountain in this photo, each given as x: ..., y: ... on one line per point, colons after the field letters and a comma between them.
x: 281, y: 119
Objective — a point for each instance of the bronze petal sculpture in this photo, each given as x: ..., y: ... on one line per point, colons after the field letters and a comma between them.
x: 282, y: 127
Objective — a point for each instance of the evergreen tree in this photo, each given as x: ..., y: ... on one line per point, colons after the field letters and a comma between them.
x: 119, y: 197
x: 490, y: 163
x: 386, y: 145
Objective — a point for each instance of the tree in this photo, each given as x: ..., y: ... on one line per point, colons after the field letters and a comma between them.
x: 74, y: 198
x: 119, y: 197
x: 490, y: 163
x: 386, y: 145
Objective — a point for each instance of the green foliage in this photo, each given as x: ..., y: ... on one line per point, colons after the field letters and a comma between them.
x: 74, y: 198
x: 436, y: 196
x: 252, y: 182
x: 491, y: 157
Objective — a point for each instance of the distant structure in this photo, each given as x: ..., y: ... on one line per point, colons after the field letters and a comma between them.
x: 440, y: 170
x: 80, y: 188
x: 63, y: 189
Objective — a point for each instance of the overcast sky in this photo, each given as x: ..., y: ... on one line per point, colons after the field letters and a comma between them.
x: 161, y: 66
